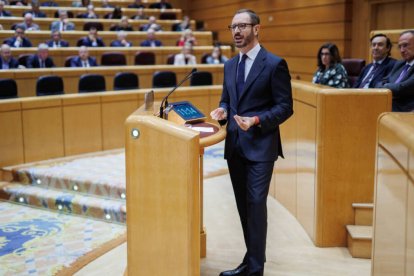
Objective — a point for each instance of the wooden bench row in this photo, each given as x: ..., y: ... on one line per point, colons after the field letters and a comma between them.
x: 45, y: 23
x: 168, y: 38
x: 98, y: 3
x: 59, y: 55
x: 50, y: 11
x: 26, y: 78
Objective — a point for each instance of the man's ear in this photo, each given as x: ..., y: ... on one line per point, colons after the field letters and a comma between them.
x: 256, y: 29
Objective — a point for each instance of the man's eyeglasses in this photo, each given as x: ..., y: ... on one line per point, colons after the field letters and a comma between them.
x: 241, y: 26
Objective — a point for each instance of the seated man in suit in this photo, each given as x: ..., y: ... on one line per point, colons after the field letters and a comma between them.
x: 163, y: 4
x: 401, y: 79
x: 35, y: 11
x: 121, y: 40
x: 374, y: 72
x: 19, y: 40
x: 152, y: 24
x: 28, y: 23
x: 83, y: 60
x: 90, y: 13
x: 4, y: 13
x: 63, y: 23
x: 139, y: 15
x: 92, y: 39
x: 41, y: 59
x: 57, y: 41
x: 7, y: 61
x: 186, y: 56
x: 151, y: 41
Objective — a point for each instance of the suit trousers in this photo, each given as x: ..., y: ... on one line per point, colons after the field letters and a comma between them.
x: 251, y: 181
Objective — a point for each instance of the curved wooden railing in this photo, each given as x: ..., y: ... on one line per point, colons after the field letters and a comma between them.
x: 393, y: 241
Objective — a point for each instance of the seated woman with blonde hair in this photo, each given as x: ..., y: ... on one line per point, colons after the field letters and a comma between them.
x: 330, y: 71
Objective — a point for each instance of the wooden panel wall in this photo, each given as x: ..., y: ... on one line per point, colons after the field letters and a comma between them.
x: 371, y: 15
x: 291, y: 29
x: 40, y: 128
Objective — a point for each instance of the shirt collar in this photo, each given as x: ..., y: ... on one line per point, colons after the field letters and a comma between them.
x: 410, y: 63
x: 252, y: 53
x: 380, y: 61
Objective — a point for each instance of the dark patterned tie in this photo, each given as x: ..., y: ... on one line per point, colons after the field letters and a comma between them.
x: 403, y: 73
x: 240, y: 75
x: 369, y: 77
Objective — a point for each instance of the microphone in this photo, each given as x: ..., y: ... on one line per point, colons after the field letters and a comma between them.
x: 164, y: 103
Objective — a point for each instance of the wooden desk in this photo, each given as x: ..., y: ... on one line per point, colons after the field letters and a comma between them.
x: 44, y: 23
x: 50, y: 11
x: 98, y: 3
x: 168, y: 38
x: 26, y: 78
x: 59, y: 55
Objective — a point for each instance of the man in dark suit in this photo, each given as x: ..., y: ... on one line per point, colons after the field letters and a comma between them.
x: 374, y: 72
x: 41, y: 59
x: 92, y: 39
x: 256, y: 99
x: 7, y: 61
x: 83, y: 60
x: 3, y: 13
x: 151, y: 41
x: 57, y: 41
x: 401, y: 79
x: 35, y: 11
x: 121, y: 40
x: 19, y: 40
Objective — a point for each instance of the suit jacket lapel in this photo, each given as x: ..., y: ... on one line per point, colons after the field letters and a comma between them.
x: 255, y: 70
x: 233, y: 76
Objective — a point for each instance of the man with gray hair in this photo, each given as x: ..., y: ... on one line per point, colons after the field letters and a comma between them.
x: 63, y: 23
x: 401, y: 79
x: 28, y: 23
x: 121, y: 40
x: 7, y: 61
x: 41, y: 59
x: 4, y: 13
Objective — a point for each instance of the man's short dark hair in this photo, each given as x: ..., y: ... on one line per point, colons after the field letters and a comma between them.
x: 255, y: 19
x: 389, y: 44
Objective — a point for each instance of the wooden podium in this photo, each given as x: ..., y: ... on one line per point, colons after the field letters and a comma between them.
x: 164, y: 175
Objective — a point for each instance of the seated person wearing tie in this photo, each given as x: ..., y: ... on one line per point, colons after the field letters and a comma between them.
x: 401, y: 79
x: 41, y: 59
x: 4, y: 13
x: 83, y: 60
x: 35, y: 11
x: 7, y: 61
x: 152, y: 24
x: 28, y: 23
x: 92, y: 39
x: 19, y: 40
x: 186, y: 56
x: 139, y: 15
x: 383, y: 62
x: 63, y: 23
x: 57, y: 41
x: 121, y: 40
x: 151, y: 41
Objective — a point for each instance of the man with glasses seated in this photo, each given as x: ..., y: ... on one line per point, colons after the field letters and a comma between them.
x: 83, y: 60
x: 41, y: 59
x: 18, y: 40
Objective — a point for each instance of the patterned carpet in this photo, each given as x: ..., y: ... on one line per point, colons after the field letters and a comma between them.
x: 87, y: 195
x: 39, y: 242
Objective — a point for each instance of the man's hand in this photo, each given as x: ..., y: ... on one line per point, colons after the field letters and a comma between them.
x: 244, y: 122
x: 219, y: 114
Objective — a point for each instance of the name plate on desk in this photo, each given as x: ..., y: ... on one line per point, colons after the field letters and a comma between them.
x: 184, y: 113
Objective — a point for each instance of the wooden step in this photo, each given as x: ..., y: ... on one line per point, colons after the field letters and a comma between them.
x: 363, y: 213
x: 359, y: 241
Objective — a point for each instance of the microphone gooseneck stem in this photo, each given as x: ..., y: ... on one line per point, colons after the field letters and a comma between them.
x: 164, y: 102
